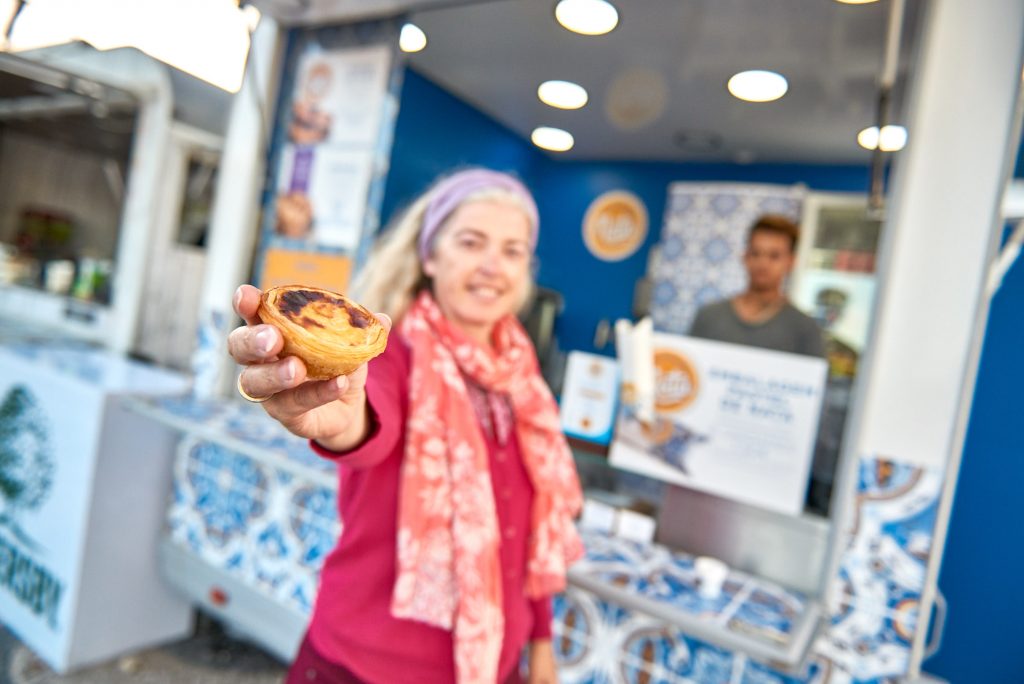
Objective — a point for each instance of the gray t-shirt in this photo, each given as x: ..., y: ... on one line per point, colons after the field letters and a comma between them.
x: 789, y: 330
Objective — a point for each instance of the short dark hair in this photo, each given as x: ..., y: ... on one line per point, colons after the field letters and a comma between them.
x: 778, y: 224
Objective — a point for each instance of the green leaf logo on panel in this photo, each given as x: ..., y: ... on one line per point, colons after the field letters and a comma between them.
x: 26, y: 462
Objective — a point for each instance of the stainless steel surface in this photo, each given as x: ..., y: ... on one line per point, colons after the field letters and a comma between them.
x: 202, y: 431
x: 788, y: 654
x: 785, y: 549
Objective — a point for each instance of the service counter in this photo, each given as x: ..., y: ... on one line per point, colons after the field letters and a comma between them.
x: 254, y: 513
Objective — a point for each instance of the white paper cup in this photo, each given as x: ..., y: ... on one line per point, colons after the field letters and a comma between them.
x: 711, y: 574
x: 59, y: 276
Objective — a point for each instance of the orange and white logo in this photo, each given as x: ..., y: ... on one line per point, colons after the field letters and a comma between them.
x: 676, y: 383
x: 615, y: 225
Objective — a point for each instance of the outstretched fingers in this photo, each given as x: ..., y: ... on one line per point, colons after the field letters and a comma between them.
x: 246, y: 301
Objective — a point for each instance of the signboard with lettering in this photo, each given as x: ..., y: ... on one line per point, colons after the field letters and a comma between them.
x: 83, y: 486
x: 734, y: 421
x: 615, y: 225
x: 42, y: 510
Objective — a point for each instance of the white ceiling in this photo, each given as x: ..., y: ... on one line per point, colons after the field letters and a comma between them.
x: 657, y: 82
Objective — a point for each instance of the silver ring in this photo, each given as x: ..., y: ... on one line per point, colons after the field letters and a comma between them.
x: 247, y: 396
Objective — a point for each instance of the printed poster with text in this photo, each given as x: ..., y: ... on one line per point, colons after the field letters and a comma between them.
x: 326, y: 165
x: 734, y: 421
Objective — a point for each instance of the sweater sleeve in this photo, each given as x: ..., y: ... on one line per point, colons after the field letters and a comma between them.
x: 542, y: 616
x: 386, y: 390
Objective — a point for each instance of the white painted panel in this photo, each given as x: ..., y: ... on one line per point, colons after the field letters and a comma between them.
x: 938, y: 238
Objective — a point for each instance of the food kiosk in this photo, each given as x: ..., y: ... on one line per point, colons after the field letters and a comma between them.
x: 843, y: 597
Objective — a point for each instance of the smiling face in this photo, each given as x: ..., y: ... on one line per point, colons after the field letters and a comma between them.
x: 480, y: 265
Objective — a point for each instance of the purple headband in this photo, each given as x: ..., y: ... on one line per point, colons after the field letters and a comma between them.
x: 452, y: 191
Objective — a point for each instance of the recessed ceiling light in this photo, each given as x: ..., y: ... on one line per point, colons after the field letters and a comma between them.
x: 562, y: 94
x: 589, y: 17
x: 554, y: 139
x: 893, y: 138
x: 758, y: 86
x: 412, y: 38
x: 856, y: 2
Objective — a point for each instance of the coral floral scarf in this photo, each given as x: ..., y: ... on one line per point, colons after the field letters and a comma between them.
x: 448, y: 565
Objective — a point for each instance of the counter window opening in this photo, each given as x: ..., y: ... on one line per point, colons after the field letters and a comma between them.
x: 823, y: 185
x: 64, y: 159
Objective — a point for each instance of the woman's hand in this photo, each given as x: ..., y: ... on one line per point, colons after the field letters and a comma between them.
x: 542, y: 668
x: 332, y: 412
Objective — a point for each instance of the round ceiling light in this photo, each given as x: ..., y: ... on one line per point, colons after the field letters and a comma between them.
x: 562, y: 94
x: 758, y: 85
x: 554, y: 139
x: 893, y: 138
x: 412, y: 38
x: 636, y: 98
x: 589, y: 17
x: 856, y: 2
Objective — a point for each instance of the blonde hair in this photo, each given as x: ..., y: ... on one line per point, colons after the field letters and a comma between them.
x: 393, y: 274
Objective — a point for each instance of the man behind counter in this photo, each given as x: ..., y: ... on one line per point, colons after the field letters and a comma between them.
x: 762, y: 315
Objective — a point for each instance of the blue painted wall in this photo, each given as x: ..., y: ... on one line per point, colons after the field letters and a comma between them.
x: 595, y: 289
x: 981, y: 568
x: 436, y: 133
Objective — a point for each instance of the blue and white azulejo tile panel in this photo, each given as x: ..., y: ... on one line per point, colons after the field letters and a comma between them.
x: 598, y: 642
x: 264, y: 526
x: 872, y: 621
x: 699, y: 258
x: 746, y: 604
x: 876, y: 603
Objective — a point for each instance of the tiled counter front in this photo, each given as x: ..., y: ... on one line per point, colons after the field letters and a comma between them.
x: 868, y: 633
x: 267, y: 527
x: 253, y: 502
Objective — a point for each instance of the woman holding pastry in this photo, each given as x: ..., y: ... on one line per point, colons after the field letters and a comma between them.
x: 458, y: 490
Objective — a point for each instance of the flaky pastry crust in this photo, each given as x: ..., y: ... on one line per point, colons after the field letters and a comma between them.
x: 330, y: 333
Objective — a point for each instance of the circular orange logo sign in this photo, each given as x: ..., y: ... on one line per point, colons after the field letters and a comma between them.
x: 615, y: 225
x: 676, y: 383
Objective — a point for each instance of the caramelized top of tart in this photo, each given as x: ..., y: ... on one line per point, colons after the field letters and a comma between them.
x: 332, y: 334
x: 310, y: 308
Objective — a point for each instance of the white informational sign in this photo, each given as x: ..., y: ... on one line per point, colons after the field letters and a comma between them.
x: 589, y: 394
x: 738, y: 422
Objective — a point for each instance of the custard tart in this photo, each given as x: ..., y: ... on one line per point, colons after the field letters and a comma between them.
x: 330, y: 333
